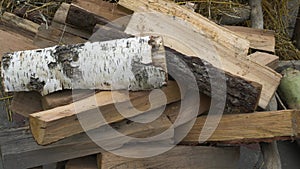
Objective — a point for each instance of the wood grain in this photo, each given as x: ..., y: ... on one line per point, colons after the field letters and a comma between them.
x: 265, y: 59
x: 178, y: 157
x: 260, y: 39
x: 61, y: 122
x: 250, y: 128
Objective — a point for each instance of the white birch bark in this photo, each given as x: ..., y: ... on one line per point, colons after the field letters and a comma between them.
x: 111, y: 65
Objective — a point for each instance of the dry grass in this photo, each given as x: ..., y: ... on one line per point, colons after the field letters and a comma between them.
x: 45, y: 8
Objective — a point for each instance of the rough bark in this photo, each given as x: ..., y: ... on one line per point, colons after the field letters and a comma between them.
x: 257, y: 19
x: 132, y: 64
x: 241, y: 95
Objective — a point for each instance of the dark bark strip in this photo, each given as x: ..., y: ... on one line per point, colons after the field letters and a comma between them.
x: 242, y: 96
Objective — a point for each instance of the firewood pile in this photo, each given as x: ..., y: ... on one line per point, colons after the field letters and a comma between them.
x: 140, y: 84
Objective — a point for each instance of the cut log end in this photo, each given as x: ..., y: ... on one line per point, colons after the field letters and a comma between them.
x: 36, y: 127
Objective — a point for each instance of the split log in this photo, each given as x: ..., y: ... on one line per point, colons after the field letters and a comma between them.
x: 258, y: 38
x: 19, y: 24
x: 234, y: 102
x: 179, y: 157
x: 51, y: 36
x: 289, y: 88
x: 67, y: 67
x: 265, y: 59
x: 55, y: 124
x: 103, y: 8
x: 30, y: 154
x: 249, y: 128
x: 213, y: 42
x: 89, y: 162
x: 64, y: 97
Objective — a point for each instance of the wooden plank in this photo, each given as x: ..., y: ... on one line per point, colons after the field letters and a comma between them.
x: 29, y: 154
x: 260, y: 39
x: 55, y: 124
x: 250, y: 128
x: 19, y: 24
x: 197, y: 157
x: 206, y: 41
x: 53, y: 36
x: 88, y: 162
x: 25, y: 103
x: 265, y: 59
x: 10, y: 41
x: 64, y: 97
x: 102, y: 8
x: 131, y: 64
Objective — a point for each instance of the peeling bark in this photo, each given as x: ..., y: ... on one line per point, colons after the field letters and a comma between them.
x: 111, y: 65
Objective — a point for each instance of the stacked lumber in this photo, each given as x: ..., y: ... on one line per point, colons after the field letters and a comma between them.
x: 111, y: 79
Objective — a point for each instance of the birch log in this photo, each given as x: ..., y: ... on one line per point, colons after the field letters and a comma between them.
x: 131, y: 64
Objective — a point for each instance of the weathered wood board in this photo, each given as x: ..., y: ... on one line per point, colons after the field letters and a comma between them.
x: 260, y: 39
x: 198, y: 157
x: 30, y: 154
x: 19, y: 24
x: 249, y: 128
x: 265, y: 59
x: 201, y: 38
x: 132, y: 64
x: 88, y: 162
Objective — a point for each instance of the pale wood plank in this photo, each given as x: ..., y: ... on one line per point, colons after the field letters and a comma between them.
x: 29, y: 154
x: 178, y: 157
x: 265, y: 59
x: 260, y: 39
